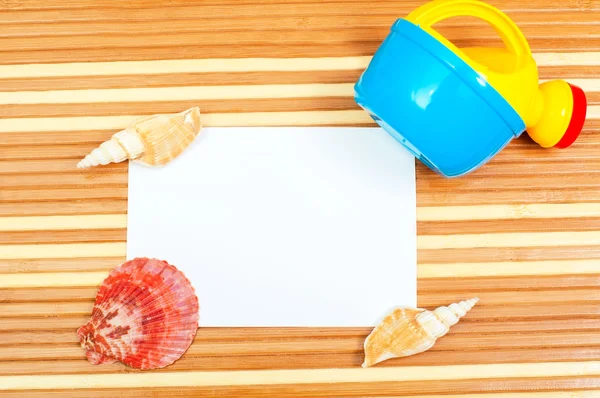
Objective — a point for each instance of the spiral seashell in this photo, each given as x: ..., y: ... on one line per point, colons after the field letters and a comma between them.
x: 152, y: 140
x: 409, y: 331
x: 145, y: 315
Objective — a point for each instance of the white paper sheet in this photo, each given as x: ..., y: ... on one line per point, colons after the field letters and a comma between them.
x: 283, y: 226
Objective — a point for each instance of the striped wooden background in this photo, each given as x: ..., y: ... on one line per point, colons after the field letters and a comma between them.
x: 523, y: 233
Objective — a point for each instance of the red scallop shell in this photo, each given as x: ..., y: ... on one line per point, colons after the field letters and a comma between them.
x: 146, y: 315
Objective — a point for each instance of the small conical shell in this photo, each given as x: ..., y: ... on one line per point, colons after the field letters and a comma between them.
x: 409, y: 331
x: 152, y: 140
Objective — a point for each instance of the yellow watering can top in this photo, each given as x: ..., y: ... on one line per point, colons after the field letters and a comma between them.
x: 554, y: 112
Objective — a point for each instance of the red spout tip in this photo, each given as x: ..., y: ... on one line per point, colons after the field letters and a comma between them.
x: 577, y: 118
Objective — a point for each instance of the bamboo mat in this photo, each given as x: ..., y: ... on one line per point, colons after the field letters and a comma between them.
x: 522, y: 233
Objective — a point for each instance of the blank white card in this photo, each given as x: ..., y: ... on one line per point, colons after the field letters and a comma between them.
x: 283, y: 226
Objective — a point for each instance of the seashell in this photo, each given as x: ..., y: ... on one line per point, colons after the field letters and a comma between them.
x: 152, y: 140
x: 409, y: 331
x: 145, y: 315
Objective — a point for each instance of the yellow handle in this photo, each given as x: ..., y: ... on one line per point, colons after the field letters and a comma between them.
x: 433, y: 12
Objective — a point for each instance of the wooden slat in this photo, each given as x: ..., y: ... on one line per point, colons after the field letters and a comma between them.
x: 26, y: 152
x: 507, y: 268
x: 507, y: 226
x: 195, y: 24
x: 335, y: 101
x: 512, y: 239
x: 510, y: 196
x: 47, y: 294
x: 58, y: 250
x: 179, y: 93
x: 20, y: 224
x: 83, y: 11
x: 76, y: 207
x: 63, y: 236
x: 70, y: 194
x: 81, y: 264
x: 525, y: 213
x: 321, y: 35
x: 65, y: 180
x: 299, y: 361
x: 314, y: 376
x: 307, y: 118
x: 160, y: 76
x: 53, y: 165
x: 157, y: 74
x: 28, y: 324
x: 184, y: 70
x: 406, y: 389
x: 340, y: 49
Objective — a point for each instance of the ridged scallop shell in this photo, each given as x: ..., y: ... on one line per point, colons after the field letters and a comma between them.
x: 146, y: 316
x: 152, y: 140
x: 409, y: 331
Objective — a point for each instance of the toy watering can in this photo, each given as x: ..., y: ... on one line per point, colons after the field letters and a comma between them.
x: 455, y: 109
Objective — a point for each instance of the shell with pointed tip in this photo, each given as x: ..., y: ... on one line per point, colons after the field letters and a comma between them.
x: 145, y: 315
x: 152, y: 140
x: 409, y: 331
